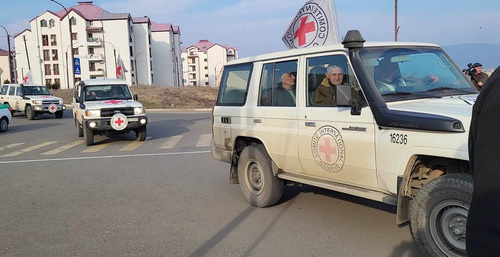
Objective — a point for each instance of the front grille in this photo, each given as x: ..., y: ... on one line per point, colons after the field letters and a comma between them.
x: 50, y: 102
x: 109, y: 112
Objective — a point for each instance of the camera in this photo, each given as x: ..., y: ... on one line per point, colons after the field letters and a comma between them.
x: 471, y: 71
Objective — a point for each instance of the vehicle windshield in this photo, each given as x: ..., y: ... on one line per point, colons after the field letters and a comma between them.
x: 407, y: 73
x: 107, y: 92
x: 36, y: 90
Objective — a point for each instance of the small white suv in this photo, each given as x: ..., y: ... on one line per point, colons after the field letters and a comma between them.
x: 107, y: 106
x: 31, y: 99
x: 386, y: 121
x: 5, y: 117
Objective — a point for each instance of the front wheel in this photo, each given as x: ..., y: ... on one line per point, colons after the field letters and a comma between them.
x: 88, y: 135
x: 30, y: 113
x: 257, y: 182
x: 79, y: 129
x: 140, y: 134
x: 438, y: 215
x: 59, y: 114
x: 4, y: 124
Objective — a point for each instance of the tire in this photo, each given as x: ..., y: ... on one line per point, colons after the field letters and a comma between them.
x: 4, y: 124
x: 30, y: 113
x: 438, y: 215
x: 257, y: 182
x: 140, y: 134
x: 59, y: 114
x: 88, y: 135
x: 79, y: 129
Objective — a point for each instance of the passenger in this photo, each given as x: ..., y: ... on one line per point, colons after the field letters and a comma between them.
x: 284, y: 93
x: 116, y: 92
x: 324, y: 94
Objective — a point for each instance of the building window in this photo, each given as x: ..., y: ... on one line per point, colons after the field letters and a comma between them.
x: 46, y: 56
x: 74, y: 36
x: 206, y: 67
x: 43, y: 23
x: 131, y: 51
x: 92, y: 66
x: 72, y: 21
x: 48, y: 82
x: 47, y: 69
x: 56, y: 69
x: 45, y: 40
x: 75, y: 51
x: 206, y: 75
x: 205, y: 60
x: 91, y: 50
x: 206, y: 83
x: 52, y: 23
x: 54, y: 55
x: 53, y: 41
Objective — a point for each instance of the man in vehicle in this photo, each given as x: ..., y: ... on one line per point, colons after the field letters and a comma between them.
x: 284, y: 93
x: 324, y: 94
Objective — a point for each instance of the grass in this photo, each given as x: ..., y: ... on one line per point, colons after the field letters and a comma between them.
x: 154, y: 97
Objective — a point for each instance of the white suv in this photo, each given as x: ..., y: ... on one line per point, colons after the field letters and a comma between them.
x: 31, y: 99
x: 5, y: 117
x: 106, y: 106
x: 401, y: 141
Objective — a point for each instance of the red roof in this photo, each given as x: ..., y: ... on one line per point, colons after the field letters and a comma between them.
x: 3, y: 52
x: 158, y: 27
x: 92, y: 12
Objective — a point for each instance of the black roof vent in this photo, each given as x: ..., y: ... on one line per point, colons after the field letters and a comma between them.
x: 353, y: 39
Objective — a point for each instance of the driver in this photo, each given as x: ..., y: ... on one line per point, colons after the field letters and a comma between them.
x: 387, y: 77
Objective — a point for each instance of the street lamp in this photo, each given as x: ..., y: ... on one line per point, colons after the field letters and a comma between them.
x: 72, y: 54
x: 137, y: 71
x: 114, y: 55
x: 11, y: 75
x: 70, y: 41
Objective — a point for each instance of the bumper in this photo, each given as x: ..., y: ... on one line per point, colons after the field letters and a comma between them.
x: 222, y: 155
x: 104, y: 124
x: 45, y: 107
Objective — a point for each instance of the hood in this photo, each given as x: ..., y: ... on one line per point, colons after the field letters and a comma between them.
x: 458, y: 107
x: 43, y: 97
x: 112, y: 104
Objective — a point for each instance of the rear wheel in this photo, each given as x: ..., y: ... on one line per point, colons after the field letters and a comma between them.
x: 257, y: 182
x: 59, y: 114
x: 4, y: 124
x: 79, y: 129
x: 30, y: 113
x: 88, y: 135
x: 140, y: 134
x: 439, y: 215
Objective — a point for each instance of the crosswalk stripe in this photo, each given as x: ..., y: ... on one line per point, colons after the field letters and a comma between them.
x: 10, y: 146
x: 96, y: 148
x: 63, y: 148
x: 29, y: 149
x: 132, y: 146
x: 204, y: 140
x: 171, y: 142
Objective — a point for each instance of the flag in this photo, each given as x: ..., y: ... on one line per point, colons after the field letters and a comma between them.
x: 120, y: 68
x: 312, y: 26
x: 28, y: 78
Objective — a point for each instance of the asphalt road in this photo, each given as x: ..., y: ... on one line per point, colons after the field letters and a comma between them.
x: 166, y: 196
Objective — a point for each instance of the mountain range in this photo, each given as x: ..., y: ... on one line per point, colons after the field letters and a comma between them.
x: 486, y: 54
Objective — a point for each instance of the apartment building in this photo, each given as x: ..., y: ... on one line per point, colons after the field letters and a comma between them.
x: 203, y: 61
x: 99, y: 39
x: 5, y: 67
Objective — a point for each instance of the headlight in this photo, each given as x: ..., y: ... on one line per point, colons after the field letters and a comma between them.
x: 93, y: 113
x: 36, y: 101
x: 139, y: 110
x: 61, y: 101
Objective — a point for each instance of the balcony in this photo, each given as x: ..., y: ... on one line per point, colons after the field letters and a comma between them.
x: 96, y: 72
x: 95, y: 42
x: 94, y: 57
x: 94, y: 28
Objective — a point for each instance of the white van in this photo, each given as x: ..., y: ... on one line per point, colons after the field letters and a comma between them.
x: 393, y: 129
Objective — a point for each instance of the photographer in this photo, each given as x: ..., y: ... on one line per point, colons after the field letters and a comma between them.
x: 477, y: 75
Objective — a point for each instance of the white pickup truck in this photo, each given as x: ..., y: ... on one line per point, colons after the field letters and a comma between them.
x: 31, y: 99
x: 106, y: 106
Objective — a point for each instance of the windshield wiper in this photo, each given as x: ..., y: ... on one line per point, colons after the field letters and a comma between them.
x: 401, y: 93
x: 450, y: 88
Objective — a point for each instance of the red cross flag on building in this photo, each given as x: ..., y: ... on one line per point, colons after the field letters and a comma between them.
x: 120, y: 68
x: 312, y: 26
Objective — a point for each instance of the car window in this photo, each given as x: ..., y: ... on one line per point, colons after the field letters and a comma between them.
x: 4, y: 90
x: 277, y: 84
x: 12, y: 91
x: 234, y: 83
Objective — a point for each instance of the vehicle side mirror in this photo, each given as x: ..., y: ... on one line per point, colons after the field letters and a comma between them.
x: 75, y: 95
x: 82, y: 106
x: 343, y: 95
x: 136, y: 97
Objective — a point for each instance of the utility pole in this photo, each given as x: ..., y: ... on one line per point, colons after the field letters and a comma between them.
x: 11, y: 66
x: 396, y: 28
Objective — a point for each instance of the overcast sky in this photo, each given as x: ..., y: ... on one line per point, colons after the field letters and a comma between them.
x: 256, y: 26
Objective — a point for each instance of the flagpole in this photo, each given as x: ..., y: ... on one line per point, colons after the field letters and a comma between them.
x: 336, y: 19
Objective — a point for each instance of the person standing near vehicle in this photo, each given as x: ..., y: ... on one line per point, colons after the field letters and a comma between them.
x: 483, y: 224
x: 479, y: 78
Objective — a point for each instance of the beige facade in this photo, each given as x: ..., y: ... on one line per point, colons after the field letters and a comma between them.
x: 99, y: 39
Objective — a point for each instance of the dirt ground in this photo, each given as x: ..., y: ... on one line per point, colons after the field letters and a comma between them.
x: 152, y: 97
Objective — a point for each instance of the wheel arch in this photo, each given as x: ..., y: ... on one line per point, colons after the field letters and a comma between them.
x: 420, y: 170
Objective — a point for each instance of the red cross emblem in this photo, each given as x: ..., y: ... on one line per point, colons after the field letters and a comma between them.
x: 119, y: 122
x: 53, y: 108
x: 328, y: 150
x: 113, y: 102
x: 303, y: 29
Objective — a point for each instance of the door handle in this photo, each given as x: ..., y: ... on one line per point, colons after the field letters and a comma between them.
x: 310, y: 124
x: 257, y: 121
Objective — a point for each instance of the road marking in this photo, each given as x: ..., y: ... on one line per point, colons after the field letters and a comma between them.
x: 96, y: 148
x: 132, y: 146
x: 205, y: 140
x: 102, y: 157
x: 11, y: 146
x: 171, y: 142
x: 63, y: 148
x: 29, y: 149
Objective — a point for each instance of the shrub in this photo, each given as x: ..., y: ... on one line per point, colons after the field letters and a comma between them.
x: 48, y: 85
x: 6, y: 81
x: 56, y: 86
